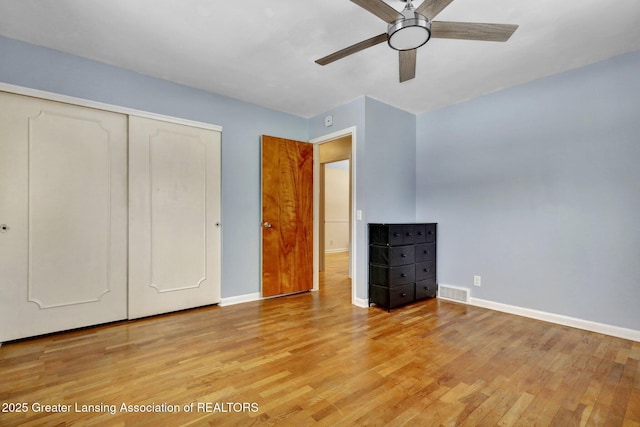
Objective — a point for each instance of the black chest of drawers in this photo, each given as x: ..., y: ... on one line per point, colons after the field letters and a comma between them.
x: 402, y: 263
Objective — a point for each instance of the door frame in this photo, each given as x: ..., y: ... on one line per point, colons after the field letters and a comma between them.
x: 350, y: 131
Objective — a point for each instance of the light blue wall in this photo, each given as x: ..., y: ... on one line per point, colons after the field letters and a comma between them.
x: 537, y: 189
x: 385, y: 167
x: 31, y: 66
x: 390, y: 165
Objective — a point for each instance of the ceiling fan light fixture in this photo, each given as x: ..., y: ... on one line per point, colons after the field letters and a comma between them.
x: 411, y: 28
x: 409, y: 33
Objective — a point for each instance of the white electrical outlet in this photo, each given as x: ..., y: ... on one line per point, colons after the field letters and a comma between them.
x: 477, y: 281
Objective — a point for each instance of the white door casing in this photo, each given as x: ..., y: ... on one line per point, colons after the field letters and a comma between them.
x: 174, y: 217
x: 63, y: 198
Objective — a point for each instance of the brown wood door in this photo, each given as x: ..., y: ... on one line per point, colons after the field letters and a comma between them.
x: 287, y: 216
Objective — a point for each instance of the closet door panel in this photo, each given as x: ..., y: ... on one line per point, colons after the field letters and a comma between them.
x: 174, y: 215
x: 178, y: 211
x: 64, y: 174
x: 69, y: 210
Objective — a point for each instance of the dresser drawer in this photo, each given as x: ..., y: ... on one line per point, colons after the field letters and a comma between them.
x: 408, y: 234
x: 425, y: 252
x: 426, y: 289
x: 425, y: 270
x: 401, y: 295
x: 391, y: 234
x: 383, y: 234
x: 391, y: 297
x: 423, y: 233
x: 391, y: 276
x: 420, y: 231
x: 392, y: 255
x: 430, y: 233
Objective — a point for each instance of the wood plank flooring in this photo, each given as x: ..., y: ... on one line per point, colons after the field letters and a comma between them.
x: 314, y: 359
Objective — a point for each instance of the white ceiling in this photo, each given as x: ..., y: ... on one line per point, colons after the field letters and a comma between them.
x: 263, y: 52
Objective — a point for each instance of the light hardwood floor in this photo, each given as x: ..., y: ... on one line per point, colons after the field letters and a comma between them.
x: 314, y: 359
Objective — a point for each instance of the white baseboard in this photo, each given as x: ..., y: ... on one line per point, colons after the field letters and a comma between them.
x: 360, y: 302
x: 616, y: 331
x: 239, y: 299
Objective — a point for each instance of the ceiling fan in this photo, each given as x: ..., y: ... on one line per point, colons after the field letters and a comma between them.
x: 412, y: 28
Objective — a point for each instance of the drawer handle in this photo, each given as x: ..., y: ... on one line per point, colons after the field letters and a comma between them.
x: 403, y: 275
x: 396, y: 234
x: 426, y: 270
x: 409, y: 234
x: 426, y: 288
x: 403, y: 294
x: 403, y: 255
x: 420, y: 233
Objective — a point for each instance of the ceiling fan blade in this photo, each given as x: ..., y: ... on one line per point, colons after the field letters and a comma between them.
x: 472, y: 31
x: 352, y: 49
x: 407, y: 64
x: 380, y: 9
x: 430, y: 8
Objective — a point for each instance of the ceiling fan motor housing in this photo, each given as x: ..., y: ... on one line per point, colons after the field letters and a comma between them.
x: 411, y: 32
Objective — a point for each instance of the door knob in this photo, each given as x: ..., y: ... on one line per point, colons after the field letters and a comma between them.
x: 4, y: 228
x: 267, y: 224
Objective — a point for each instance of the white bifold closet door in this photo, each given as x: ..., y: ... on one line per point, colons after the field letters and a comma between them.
x: 174, y: 215
x: 63, y: 210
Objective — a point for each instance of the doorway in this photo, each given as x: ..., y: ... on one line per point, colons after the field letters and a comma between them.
x: 335, y: 171
x: 335, y: 199
x: 334, y: 231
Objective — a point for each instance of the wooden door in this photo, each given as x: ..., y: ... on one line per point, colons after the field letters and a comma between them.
x: 287, y: 216
x: 63, y: 200
x: 174, y: 216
